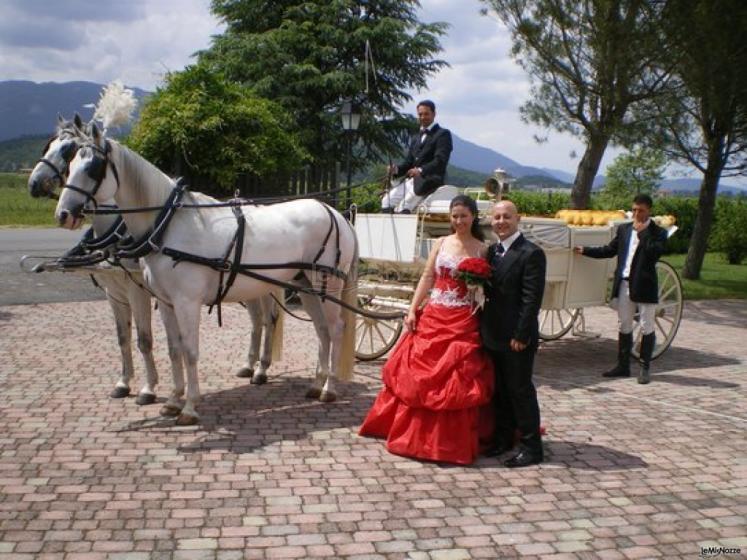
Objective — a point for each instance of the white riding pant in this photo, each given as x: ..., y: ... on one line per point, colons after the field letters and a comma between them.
x: 626, y: 311
x: 402, y: 197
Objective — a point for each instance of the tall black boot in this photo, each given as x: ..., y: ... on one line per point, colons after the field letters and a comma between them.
x: 648, y: 341
x: 624, y: 346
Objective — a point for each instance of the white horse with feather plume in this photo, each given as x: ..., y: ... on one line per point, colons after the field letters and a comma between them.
x: 302, y: 242
x: 123, y: 286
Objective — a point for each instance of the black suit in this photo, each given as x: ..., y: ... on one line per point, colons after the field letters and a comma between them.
x: 643, y: 281
x: 512, y: 304
x: 431, y: 156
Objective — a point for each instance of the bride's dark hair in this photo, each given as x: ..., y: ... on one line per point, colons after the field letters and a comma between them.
x: 470, y: 204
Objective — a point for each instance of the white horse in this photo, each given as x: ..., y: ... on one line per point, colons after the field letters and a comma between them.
x: 304, y: 242
x: 124, y: 291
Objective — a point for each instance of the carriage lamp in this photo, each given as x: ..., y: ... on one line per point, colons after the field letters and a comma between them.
x: 351, y: 118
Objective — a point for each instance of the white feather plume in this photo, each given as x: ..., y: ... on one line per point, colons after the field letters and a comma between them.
x: 115, y: 105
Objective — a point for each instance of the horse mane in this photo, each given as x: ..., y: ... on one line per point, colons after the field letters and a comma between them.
x: 145, y: 178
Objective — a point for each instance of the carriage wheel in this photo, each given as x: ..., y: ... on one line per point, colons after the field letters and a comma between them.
x: 374, y: 337
x: 554, y: 323
x: 668, y: 311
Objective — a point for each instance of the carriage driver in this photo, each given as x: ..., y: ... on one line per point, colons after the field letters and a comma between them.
x: 424, y: 166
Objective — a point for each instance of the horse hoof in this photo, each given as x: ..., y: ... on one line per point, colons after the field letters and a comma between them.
x: 245, y: 372
x: 259, y: 379
x: 313, y: 393
x: 187, y: 420
x: 169, y: 410
x: 327, y: 397
x: 120, y: 392
x: 145, y: 398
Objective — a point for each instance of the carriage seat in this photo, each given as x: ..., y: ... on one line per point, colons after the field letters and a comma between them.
x: 438, y: 201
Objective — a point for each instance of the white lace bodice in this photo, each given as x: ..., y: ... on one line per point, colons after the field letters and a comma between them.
x: 447, y: 290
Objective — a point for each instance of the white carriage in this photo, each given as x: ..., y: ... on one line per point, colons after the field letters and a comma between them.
x: 393, y: 248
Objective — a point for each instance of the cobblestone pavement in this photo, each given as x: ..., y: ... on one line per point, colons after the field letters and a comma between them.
x: 632, y: 471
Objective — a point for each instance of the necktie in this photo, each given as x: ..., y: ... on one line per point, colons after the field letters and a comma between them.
x: 423, y: 134
x: 500, y: 249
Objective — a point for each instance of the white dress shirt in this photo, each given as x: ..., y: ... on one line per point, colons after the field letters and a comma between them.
x: 632, y: 248
x: 509, y: 241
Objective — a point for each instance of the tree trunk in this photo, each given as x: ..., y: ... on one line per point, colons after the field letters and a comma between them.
x: 587, y: 170
x: 706, y: 204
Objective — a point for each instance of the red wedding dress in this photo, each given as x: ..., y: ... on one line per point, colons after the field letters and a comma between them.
x: 438, y: 381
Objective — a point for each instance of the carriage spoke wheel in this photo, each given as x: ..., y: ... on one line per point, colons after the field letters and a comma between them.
x: 374, y: 337
x: 554, y: 323
x: 668, y: 311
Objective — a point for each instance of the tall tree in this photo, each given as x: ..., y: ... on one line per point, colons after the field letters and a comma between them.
x: 311, y: 55
x: 703, y: 122
x: 638, y: 171
x: 590, y: 61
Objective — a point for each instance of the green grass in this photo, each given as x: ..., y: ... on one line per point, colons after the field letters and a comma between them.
x: 718, y: 278
x: 18, y: 209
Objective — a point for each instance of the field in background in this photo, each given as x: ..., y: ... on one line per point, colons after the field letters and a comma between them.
x: 18, y: 209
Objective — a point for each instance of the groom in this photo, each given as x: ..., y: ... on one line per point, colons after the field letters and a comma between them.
x: 510, y: 333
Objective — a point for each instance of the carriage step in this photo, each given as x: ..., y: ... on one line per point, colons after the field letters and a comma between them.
x: 400, y: 291
x: 384, y: 303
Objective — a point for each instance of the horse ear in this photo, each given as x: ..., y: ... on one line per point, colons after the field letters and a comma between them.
x: 60, y: 120
x: 78, y: 121
x: 95, y: 133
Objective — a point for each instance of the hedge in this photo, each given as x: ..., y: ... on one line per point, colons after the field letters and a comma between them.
x: 728, y: 235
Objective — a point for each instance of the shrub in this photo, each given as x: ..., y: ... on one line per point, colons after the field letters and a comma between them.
x: 729, y: 233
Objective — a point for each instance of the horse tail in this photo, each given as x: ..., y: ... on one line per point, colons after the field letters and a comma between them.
x: 350, y: 297
x: 277, y: 331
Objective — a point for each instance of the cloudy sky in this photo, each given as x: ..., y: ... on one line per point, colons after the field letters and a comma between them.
x: 137, y: 41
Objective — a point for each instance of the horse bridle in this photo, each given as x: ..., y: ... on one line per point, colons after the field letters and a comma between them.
x: 67, y: 156
x: 96, y: 170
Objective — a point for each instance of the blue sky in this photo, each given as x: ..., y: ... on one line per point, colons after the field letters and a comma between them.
x: 137, y: 41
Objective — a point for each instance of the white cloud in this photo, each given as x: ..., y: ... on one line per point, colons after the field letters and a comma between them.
x: 136, y: 41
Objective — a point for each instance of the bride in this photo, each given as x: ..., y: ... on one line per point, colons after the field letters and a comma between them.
x: 438, y: 382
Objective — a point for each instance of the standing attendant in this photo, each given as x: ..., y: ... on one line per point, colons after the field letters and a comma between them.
x: 637, y: 245
x: 424, y: 165
x: 510, y: 332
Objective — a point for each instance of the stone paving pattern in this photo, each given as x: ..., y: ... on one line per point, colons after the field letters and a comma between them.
x: 632, y: 471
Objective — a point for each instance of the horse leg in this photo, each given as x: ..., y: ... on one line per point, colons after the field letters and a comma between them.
x: 335, y: 326
x: 188, y: 319
x: 140, y: 303
x: 313, y: 307
x: 123, y: 321
x: 174, y: 404
x: 269, y: 318
x: 255, y: 314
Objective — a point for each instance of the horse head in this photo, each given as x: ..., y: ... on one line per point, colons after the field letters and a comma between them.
x: 88, y: 180
x: 52, y: 168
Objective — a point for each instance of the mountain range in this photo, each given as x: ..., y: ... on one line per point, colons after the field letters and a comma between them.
x: 31, y: 109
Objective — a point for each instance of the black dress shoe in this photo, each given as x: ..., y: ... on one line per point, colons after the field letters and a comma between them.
x: 523, y: 458
x: 497, y: 449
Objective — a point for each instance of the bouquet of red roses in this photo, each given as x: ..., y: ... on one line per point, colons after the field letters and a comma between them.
x: 475, y: 272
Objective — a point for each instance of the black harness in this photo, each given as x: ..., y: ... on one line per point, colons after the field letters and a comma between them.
x: 229, y: 268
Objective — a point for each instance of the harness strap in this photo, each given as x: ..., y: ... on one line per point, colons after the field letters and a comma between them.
x: 332, y: 225
x: 152, y: 239
x: 238, y: 245
x: 112, y: 235
x: 220, y: 264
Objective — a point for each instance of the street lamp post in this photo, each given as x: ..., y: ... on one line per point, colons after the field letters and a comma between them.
x: 351, y: 119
